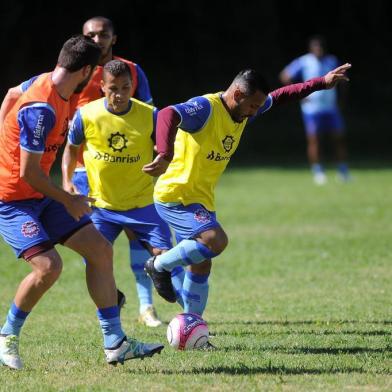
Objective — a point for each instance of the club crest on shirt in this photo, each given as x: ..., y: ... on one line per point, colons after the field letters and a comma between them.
x: 228, y: 142
x: 117, y: 141
x: 201, y: 215
x: 30, y: 229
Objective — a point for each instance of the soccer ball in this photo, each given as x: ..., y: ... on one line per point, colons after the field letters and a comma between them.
x: 187, y: 331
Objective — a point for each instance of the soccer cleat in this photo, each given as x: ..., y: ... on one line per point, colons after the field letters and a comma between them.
x: 208, y: 346
x: 121, y: 299
x: 150, y: 318
x: 131, y: 349
x: 9, y: 352
x: 320, y: 178
x: 162, y: 281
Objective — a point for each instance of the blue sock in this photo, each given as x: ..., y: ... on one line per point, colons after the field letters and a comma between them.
x: 139, y: 256
x: 343, y: 169
x: 109, y: 318
x: 184, y: 253
x: 317, y: 168
x: 15, y: 320
x: 195, y: 293
x: 177, y: 277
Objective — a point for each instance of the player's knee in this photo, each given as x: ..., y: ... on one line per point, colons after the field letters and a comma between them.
x: 203, y: 268
x: 48, y: 268
x: 219, y: 243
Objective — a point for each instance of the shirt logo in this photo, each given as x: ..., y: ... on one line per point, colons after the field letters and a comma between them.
x: 117, y: 142
x: 228, y: 142
x: 202, y: 216
x: 216, y: 156
x: 30, y: 229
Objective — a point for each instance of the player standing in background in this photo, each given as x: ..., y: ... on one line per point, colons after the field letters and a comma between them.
x: 320, y: 110
x: 210, y: 128
x: 117, y: 136
x: 35, y: 214
x: 101, y: 30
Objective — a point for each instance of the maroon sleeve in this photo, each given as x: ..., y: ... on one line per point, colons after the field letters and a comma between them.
x: 297, y: 91
x: 167, y: 124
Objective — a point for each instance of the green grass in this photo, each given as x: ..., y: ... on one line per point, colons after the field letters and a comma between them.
x: 299, y: 301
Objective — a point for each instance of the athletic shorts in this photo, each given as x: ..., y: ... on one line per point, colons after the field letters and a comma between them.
x: 323, y: 122
x: 187, y: 221
x: 26, y: 223
x: 144, y: 222
x: 80, y: 180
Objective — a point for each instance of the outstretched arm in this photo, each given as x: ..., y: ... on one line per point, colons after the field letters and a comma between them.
x: 297, y: 91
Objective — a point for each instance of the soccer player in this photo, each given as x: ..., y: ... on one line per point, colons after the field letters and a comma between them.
x: 35, y: 214
x: 116, y: 134
x: 210, y: 128
x: 101, y: 30
x: 320, y: 111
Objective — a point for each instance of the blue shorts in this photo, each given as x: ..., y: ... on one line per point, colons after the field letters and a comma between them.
x: 26, y: 223
x: 330, y: 121
x: 187, y: 221
x: 80, y: 180
x: 144, y: 222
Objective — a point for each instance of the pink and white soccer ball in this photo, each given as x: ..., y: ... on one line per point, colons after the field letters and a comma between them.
x: 187, y: 331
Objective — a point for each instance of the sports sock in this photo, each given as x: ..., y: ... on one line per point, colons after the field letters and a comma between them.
x: 139, y: 256
x: 195, y: 293
x: 317, y: 168
x: 177, y: 277
x: 184, y: 253
x: 109, y: 318
x: 15, y: 320
x: 343, y: 169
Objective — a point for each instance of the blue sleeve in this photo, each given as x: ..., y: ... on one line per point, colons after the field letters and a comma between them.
x: 27, y: 84
x: 154, y: 120
x: 76, y: 131
x: 267, y: 106
x: 294, y: 69
x: 35, y: 122
x: 143, y: 92
x: 194, y: 113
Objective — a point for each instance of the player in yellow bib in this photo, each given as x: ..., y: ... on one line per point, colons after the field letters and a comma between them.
x: 117, y: 133
x: 195, y: 142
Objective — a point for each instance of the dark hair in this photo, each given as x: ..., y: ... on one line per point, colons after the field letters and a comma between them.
x: 77, y: 52
x: 319, y: 38
x: 106, y: 21
x: 116, y: 68
x: 251, y: 81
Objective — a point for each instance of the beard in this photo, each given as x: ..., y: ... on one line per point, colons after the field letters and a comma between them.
x: 79, y: 88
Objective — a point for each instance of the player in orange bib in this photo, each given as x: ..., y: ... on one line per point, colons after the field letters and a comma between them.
x: 35, y: 214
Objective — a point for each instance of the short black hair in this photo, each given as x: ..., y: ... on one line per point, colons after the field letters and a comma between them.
x: 104, y: 20
x: 319, y: 38
x: 77, y: 52
x: 117, y: 68
x: 251, y: 81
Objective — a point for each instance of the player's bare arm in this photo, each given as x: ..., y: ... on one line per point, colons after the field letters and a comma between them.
x: 31, y: 172
x: 9, y: 100
x: 68, y: 165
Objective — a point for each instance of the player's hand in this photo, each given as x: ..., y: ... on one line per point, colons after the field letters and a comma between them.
x: 70, y: 187
x: 157, y: 167
x: 337, y: 75
x: 77, y: 205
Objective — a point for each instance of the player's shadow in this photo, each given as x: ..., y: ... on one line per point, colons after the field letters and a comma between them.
x: 268, y: 369
x: 298, y: 322
x: 312, y: 350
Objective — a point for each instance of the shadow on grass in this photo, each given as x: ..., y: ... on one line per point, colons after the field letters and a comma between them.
x: 299, y: 322
x: 241, y: 369
x: 302, y: 332
x: 312, y: 350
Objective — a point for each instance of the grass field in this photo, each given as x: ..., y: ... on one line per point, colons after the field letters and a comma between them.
x: 299, y: 301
